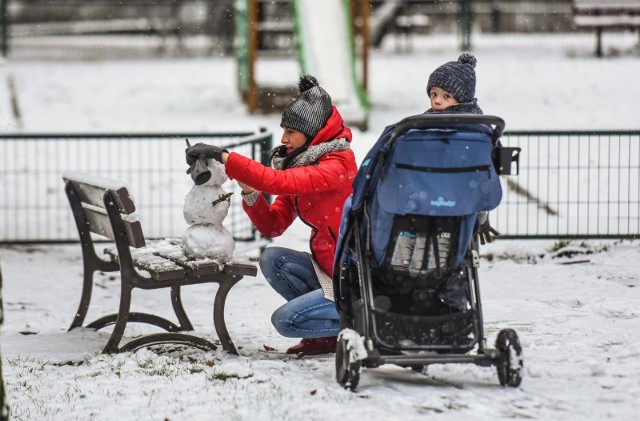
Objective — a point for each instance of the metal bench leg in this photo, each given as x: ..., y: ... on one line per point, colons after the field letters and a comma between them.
x: 168, y: 338
x: 121, y: 322
x: 599, y: 42
x: 218, y: 315
x: 136, y: 317
x: 85, y: 300
x: 176, y: 301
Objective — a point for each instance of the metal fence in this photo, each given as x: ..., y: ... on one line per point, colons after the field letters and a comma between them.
x: 572, y: 184
x: 34, y: 208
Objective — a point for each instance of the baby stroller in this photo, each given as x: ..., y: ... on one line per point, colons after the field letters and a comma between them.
x: 405, y: 276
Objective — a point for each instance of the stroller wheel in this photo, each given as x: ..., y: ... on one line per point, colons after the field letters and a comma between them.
x: 510, y: 363
x: 419, y: 368
x: 347, y: 371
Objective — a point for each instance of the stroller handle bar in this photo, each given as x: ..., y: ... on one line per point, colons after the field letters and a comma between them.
x: 427, y: 121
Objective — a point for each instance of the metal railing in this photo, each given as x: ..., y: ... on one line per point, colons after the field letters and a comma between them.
x: 572, y: 184
x: 34, y: 208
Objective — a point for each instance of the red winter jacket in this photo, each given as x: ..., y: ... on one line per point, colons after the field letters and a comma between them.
x: 315, y: 193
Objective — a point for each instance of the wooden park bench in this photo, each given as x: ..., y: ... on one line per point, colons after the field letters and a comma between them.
x: 601, y: 15
x: 104, y: 207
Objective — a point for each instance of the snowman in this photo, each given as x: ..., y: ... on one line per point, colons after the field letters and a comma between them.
x: 205, y: 207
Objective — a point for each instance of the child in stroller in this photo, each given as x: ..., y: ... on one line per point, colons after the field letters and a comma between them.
x: 451, y: 89
x: 405, y: 274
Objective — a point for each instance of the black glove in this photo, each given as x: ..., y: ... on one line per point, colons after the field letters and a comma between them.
x: 200, y: 150
x: 486, y: 233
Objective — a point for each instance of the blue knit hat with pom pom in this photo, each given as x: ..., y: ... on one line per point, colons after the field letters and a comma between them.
x: 311, y: 109
x: 456, y: 77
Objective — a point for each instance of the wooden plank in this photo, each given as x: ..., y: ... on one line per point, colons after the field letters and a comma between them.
x: 165, y: 260
x: 134, y: 234
x: 171, y: 250
x: 607, y: 21
x: 241, y: 268
x: 158, y: 268
x: 207, y: 267
x: 91, y: 190
x: 615, y: 6
x: 193, y: 268
x: 99, y: 223
x: 140, y: 25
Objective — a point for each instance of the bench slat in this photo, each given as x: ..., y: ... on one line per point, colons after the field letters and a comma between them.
x: 158, y: 268
x: 607, y: 21
x: 238, y: 268
x: 93, y: 195
x: 100, y: 224
x: 610, y: 7
x: 92, y: 27
x: 192, y: 268
x: 204, y: 267
x: 169, y: 263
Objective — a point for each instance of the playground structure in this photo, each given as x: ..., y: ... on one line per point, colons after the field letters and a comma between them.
x: 331, y: 42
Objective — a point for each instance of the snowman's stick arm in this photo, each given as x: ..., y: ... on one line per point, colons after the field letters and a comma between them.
x: 222, y: 198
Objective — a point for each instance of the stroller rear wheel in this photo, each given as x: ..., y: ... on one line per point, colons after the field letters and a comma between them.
x: 510, y: 363
x: 347, y: 368
x: 419, y: 368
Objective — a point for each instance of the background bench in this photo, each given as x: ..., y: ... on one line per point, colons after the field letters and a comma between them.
x: 601, y: 15
x: 104, y: 207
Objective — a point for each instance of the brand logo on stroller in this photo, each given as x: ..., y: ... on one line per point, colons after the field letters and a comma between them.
x: 442, y: 202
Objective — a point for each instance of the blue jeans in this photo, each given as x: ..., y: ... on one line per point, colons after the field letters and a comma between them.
x: 307, y: 313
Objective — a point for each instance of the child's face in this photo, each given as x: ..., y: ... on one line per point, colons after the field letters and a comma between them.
x: 441, y: 99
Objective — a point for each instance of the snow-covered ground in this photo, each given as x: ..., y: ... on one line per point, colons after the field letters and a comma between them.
x: 577, y: 316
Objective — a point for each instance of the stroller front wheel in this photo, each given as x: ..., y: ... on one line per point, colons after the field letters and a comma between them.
x: 347, y: 368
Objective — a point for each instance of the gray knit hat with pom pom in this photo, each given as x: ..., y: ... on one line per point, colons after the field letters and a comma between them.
x: 456, y: 77
x: 311, y: 109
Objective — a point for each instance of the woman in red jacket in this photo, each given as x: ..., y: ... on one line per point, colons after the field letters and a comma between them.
x: 311, y: 173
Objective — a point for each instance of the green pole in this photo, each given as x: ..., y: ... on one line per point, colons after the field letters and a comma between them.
x: 4, y: 408
x: 466, y: 21
x: 4, y: 42
x: 242, y: 45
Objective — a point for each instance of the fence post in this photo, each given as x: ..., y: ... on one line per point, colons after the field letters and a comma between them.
x: 4, y: 34
x: 266, y: 144
x: 466, y: 21
x: 495, y: 17
x: 4, y: 408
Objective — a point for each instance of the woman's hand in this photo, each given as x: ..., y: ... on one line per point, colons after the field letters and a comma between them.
x: 245, y: 188
x: 200, y: 150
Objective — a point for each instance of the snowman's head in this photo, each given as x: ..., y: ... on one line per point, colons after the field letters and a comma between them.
x: 208, y: 172
x: 218, y: 174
